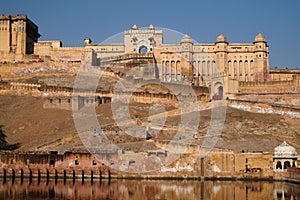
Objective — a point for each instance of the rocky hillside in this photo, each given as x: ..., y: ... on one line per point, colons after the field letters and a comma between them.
x: 28, y: 126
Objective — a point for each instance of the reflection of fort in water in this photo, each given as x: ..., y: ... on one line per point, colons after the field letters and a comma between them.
x: 134, y: 189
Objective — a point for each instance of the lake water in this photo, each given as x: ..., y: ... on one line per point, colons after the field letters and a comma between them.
x: 148, y: 189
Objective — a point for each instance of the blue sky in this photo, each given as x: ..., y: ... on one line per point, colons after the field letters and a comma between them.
x: 240, y: 21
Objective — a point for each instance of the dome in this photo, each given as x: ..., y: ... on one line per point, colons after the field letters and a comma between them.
x: 260, y: 38
x: 186, y: 39
x: 134, y: 27
x: 151, y: 27
x: 285, y: 150
x: 87, y: 40
x: 221, y: 38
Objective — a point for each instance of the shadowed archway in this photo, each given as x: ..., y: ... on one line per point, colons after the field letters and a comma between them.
x: 143, y: 49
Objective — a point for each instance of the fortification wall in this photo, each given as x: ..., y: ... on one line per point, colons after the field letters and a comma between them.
x: 271, y: 86
x: 283, y: 74
x: 67, y: 54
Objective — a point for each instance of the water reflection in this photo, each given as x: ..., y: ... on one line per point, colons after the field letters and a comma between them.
x: 151, y: 189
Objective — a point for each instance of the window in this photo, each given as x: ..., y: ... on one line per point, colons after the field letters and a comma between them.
x: 94, y: 162
x: 52, y: 162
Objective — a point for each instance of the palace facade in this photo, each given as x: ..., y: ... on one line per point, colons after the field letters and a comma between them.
x: 240, y: 61
x: 182, y: 62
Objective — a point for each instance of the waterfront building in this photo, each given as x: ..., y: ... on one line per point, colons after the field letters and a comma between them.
x: 284, y: 156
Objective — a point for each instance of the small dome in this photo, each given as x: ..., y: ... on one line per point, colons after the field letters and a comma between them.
x: 151, y: 27
x: 134, y: 27
x: 186, y: 39
x: 87, y: 40
x: 221, y: 38
x: 285, y: 150
x: 260, y: 38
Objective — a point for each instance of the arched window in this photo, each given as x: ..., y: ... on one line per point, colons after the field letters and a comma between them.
x: 278, y: 165
x: 94, y: 162
x: 287, y: 164
x: 52, y: 162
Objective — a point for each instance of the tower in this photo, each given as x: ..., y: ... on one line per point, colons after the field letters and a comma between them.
x: 221, y: 54
x: 187, y: 51
x: 187, y: 47
x: 17, y: 37
x: 261, y: 67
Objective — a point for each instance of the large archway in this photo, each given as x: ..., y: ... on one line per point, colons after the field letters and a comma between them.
x: 217, y: 91
x: 143, y: 49
x: 220, y: 92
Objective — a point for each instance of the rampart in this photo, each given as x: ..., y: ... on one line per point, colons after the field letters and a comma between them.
x: 271, y: 86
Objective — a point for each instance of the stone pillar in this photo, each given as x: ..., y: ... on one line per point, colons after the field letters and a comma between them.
x: 203, y: 68
x: 235, y: 69
x: 210, y: 67
x: 207, y: 68
x: 167, y: 70
x: 163, y: 71
x: 250, y: 71
x: 232, y: 70
x: 238, y: 71
x: 175, y: 77
x: 172, y: 69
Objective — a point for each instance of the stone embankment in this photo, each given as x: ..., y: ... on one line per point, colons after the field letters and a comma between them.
x: 85, y: 166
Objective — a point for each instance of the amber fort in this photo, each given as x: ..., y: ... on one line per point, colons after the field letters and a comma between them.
x: 263, y: 106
